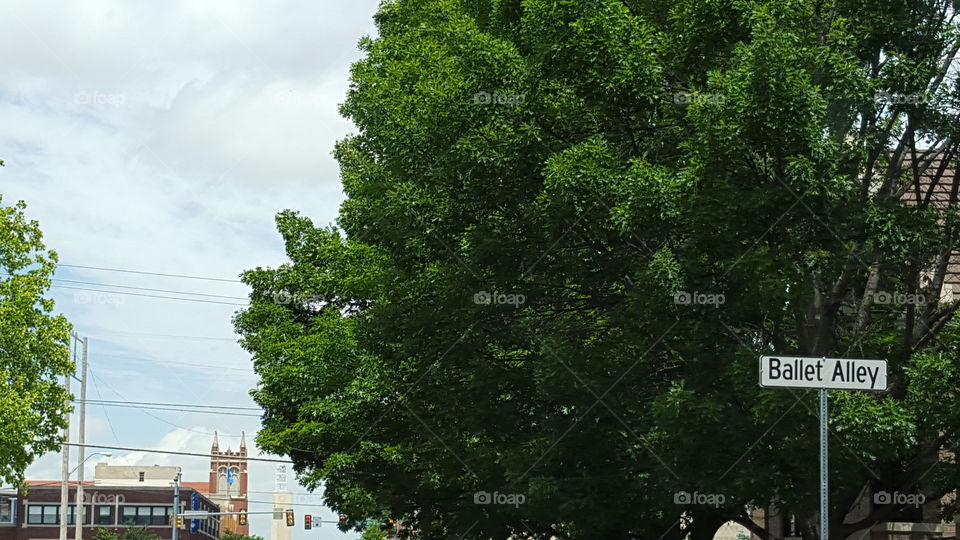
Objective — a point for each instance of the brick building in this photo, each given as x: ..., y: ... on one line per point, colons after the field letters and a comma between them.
x: 35, y: 515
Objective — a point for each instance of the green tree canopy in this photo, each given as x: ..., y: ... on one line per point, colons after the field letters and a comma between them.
x: 35, y: 345
x: 571, y: 229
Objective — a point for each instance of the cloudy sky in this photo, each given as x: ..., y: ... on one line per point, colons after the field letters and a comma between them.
x: 163, y: 137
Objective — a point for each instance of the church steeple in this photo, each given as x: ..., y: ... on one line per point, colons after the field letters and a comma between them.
x: 243, y: 443
x: 216, y: 444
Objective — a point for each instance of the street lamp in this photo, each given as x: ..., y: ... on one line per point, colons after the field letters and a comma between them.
x: 78, y: 513
x: 104, y: 454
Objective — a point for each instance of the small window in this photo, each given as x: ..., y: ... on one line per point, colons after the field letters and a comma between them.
x: 51, y: 514
x: 72, y: 512
x: 43, y: 514
x: 105, y: 515
x: 142, y: 474
x: 34, y: 514
x: 71, y: 518
x: 128, y: 515
x: 8, y: 510
x: 159, y: 516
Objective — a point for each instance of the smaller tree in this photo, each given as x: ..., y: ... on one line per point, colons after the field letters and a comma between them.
x: 230, y: 535
x: 373, y: 532
x: 105, y: 534
x: 139, y: 533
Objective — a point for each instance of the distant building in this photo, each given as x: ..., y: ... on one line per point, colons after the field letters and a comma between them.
x: 35, y: 515
x: 114, y: 475
x: 278, y: 527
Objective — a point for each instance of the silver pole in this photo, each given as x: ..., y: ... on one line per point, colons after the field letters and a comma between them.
x: 824, y: 495
x: 78, y: 516
x: 65, y: 465
x: 176, y: 506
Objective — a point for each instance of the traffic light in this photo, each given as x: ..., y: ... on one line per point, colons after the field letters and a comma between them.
x: 242, y: 519
x: 290, y: 521
x: 308, y: 522
x: 179, y: 522
x: 343, y: 521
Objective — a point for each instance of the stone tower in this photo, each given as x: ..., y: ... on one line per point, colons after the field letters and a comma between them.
x: 232, y: 497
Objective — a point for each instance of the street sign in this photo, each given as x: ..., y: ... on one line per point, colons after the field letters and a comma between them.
x: 825, y: 374
x: 195, y: 505
x: 819, y: 372
x: 192, y: 514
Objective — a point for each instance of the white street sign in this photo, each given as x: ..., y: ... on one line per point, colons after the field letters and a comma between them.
x: 190, y: 514
x: 817, y: 372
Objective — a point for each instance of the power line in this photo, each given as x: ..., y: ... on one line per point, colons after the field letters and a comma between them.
x: 145, y: 407
x: 161, y: 419
x: 149, y: 289
x: 319, y: 503
x: 97, y: 389
x: 228, y: 407
x: 150, y: 450
x: 166, y: 335
x: 150, y: 295
x: 149, y: 273
x: 191, y: 364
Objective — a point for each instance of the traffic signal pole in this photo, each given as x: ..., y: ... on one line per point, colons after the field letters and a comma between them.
x: 176, y: 506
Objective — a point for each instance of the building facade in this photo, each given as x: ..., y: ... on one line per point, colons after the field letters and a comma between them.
x: 34, y: 513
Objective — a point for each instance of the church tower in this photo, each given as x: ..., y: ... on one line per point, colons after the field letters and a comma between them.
x: 228, y: 483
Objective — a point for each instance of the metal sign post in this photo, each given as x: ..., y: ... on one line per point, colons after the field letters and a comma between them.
x: 824, y: 492
x: 823, y: 373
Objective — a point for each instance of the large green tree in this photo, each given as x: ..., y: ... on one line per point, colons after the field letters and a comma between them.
x: 34, y: 347
x: 572, y: 227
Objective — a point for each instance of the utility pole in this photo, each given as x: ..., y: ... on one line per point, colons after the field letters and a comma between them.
x: 65, y: 468
x: 176, y: 506
x: 78, y: 516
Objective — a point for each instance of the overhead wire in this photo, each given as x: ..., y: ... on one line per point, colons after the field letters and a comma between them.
x: 107, y: 415
x: 145, y: 407
x: 149, y: 295
x: 141, y: 334
x: 163, y: 420
x: 156, y: 403
x: 148, y: 289
x: 184, y: 276
x: 174, y: 362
